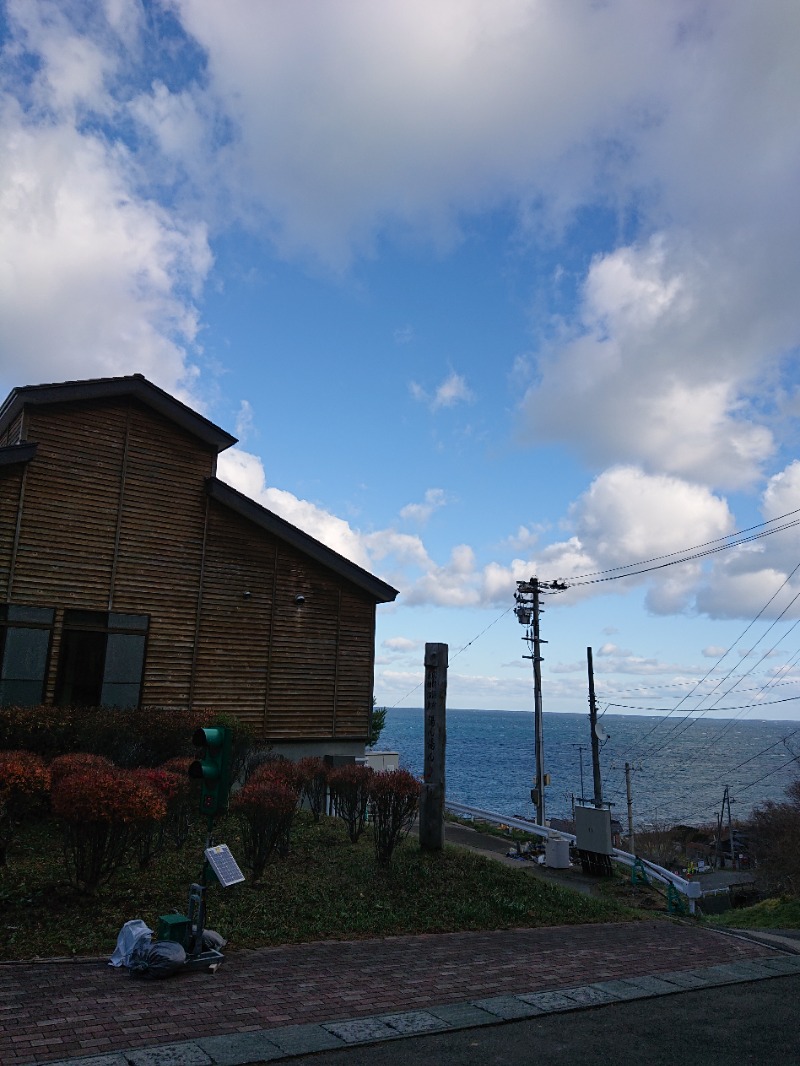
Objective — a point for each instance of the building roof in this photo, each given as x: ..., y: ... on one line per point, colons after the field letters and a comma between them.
x: 139, y: 388
x: 17, y: 453
x: 135, y: 386
x: 272, y: 523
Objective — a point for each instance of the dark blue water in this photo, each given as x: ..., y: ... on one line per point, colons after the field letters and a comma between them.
x: 681, y: 766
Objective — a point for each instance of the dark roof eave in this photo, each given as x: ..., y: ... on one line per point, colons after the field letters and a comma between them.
x: 133, y: 385
x: 17, y: 453
x: 272, y: 523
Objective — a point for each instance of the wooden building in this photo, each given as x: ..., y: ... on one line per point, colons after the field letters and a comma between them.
x: 130, y: 574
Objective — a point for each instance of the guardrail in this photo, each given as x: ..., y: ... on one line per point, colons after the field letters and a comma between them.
x: 693, y: 890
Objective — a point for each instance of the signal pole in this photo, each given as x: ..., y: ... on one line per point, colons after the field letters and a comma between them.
x: 528, y: 611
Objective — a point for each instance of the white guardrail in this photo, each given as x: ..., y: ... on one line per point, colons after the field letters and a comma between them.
x: 693, y: 890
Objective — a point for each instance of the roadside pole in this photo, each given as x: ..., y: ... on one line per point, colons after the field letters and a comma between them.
x: 431, y: 808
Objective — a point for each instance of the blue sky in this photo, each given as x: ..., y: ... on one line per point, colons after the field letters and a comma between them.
x: 486, y: 290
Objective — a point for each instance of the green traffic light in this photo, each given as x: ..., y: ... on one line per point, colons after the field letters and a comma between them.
x: 213, y: 768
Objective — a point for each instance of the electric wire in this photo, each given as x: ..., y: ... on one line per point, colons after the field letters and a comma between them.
x: 454, y: 656
x: 680, y: 556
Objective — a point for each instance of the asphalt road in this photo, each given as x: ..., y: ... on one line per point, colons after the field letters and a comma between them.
x: 755, y: 1023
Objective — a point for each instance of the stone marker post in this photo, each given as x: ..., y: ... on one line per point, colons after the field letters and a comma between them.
x: 431, y: 808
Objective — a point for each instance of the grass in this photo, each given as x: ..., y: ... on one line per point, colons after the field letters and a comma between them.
x: 769, y: 914
x: 326, y: 888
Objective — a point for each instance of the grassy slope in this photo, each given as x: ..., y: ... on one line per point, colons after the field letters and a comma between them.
x: 769, y: 914
x: 326, y: 888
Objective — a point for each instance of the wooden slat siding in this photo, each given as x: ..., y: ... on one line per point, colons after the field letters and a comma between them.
x: 66, y: 540
x: 10, y: 487
x: 71, y: 495
x: 13, y: 432
x: 160, y: 547
x: 302, y: 688
x: 356, y: 654
x: 234, y: 636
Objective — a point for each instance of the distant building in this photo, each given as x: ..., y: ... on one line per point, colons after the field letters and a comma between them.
x: 130, y: 574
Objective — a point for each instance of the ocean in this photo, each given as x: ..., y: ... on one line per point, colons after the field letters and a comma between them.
x: 681, y: 766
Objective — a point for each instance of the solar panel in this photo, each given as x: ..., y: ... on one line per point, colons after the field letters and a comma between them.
x: 224, y: 865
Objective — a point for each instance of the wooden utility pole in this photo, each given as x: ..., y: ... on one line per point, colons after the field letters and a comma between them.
x: 431, y: 808
x: 631, y: 839
x: 598, y: 781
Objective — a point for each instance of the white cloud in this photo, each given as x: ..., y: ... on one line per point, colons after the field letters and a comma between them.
x: 96, y: 278
x: 451, y: 391
x: 245, y: 472
x: 663, y: 367
x: 421, y: 512
x: 244, y: 420
x: 714, y: 651
x: 401, y: 644
x: 406, y: 114
x: 628, y: 516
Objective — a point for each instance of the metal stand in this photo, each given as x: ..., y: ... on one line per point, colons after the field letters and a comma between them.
x: 196, y: 958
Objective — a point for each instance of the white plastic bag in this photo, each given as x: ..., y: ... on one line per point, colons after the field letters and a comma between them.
x: 129, y: 936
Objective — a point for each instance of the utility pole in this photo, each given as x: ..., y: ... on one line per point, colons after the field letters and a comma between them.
x: 528, y: 611
x: 538, y: 724
x: 631, y: 839
x: 734, y: 860
x: 581, y: 750
x: 598, y: 782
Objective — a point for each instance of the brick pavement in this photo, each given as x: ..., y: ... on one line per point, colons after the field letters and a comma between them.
x: 58, y: 1010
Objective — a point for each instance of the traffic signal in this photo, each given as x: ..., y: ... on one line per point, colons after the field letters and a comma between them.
x: 213, y: 768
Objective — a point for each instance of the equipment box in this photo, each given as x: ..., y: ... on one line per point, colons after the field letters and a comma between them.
x: 593, y: 830
x: 175, y: 927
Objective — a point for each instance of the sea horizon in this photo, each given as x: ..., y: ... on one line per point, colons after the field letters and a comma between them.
x: 681, y: 765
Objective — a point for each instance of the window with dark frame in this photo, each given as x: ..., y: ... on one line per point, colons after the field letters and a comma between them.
x: 101, y: 659
x: 25, y: 636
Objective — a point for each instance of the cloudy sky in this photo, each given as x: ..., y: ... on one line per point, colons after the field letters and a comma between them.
x: 486, y: 290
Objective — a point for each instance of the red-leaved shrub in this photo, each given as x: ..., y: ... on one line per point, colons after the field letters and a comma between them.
x: 24, y: 784
x: 280, y: 771
x: 265, y: 808
x: 103, y: 812
x: 350, y: 792
x: 393, y: 802
x: 153, y: 834
x: 77, y: 762
x: 313, y: 773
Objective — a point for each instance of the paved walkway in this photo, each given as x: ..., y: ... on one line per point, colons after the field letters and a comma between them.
x: 276, y: 1002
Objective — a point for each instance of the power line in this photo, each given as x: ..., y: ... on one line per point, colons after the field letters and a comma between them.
x: 455, y: 656
x: 680, y: 555
x: 688, y: 695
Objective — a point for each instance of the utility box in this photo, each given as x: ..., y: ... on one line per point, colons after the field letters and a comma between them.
x: 556, y: 852
x: 593, y: 830
x: 174, y: 927
x: 382, y: 760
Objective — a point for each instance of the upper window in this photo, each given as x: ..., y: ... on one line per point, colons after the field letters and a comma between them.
x: 24, y: 648
x: 101, y: 661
